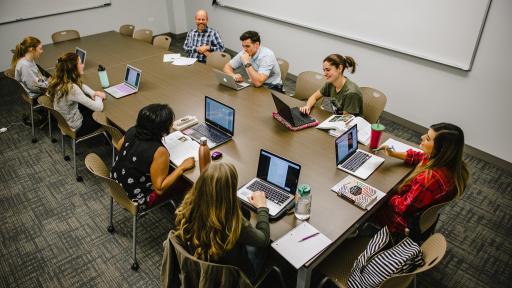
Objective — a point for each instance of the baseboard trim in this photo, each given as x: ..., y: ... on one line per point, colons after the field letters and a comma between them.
x: 503, y: 164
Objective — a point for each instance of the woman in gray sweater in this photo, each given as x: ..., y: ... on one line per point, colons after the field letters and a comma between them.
x: 74, y: 100
x: 26, y: 70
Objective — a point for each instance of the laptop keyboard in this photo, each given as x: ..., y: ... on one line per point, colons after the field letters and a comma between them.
x: 357, y: 160
x: 271, y: 193
x: 124, y: 89
x: 298, y: 118
x: 210, y: 133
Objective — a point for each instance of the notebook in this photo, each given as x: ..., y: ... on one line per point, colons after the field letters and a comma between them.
x: 352, y: 160
x: 357, y: 192
x: 82, y: 54
x: 278, y: 178
x: 229, y: 81
x: 291, y: 115
x: 219, y: 125
x: 129, y: 86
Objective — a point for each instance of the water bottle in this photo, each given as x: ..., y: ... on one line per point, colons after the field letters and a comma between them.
x: 204, y: 154
x: 103, y: 76
x: 303, y: 202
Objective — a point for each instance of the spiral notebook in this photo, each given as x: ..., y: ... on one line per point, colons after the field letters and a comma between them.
x: 357, y: 192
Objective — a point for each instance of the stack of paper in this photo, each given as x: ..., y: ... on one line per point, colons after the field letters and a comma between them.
x: 399, y: 146
x: 180, y: 147
x: 364, y: 129
x: 171, y: 57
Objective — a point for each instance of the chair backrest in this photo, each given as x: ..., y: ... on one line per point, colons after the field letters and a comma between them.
x: 283, y: 66
x: 114, y: 133
x: 65, y: 35
x: 23, y: 93
x: 47, y: 103
x: 429, y: 216
x: 10, y: 73
x: 433, y: 249
x: 218, y: 59
x: 97, y: 167
x: 145, y: 35
x: 308, y: 82
x: 198, y: 273
x: 374, y: 102
x: 127, y: 30
x: 162, y: 41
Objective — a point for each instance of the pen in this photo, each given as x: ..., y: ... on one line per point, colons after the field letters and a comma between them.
x: 310, y: 236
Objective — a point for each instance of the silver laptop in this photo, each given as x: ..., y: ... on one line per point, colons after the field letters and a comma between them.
x: 219, y: 125
x: 81, y: 53
x: 352, y: 160
x: 129, y: 86
x: 278, y: 178
x: 229, y: 81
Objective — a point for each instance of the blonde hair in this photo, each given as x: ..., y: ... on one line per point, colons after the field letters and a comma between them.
x: 210, y: 220
x: 66, y: 74
x: 23, y: 48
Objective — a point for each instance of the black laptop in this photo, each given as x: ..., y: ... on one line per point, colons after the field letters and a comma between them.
x: 291, y: 115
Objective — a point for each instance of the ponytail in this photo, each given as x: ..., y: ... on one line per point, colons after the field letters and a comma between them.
x: 23, y: 48
x: 337, y: 60
x: 66, y: 74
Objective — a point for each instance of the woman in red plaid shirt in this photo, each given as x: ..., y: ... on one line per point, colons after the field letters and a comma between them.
x: 440, y: 175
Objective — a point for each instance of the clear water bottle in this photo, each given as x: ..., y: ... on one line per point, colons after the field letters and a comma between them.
x: 103, y: 76
x: 303, y: 202
x: 204, y: 154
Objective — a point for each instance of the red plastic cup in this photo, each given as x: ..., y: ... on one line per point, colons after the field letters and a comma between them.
x: 377, y: 129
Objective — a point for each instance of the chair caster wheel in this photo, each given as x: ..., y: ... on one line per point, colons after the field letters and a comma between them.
x: 111, y: 229
x: 79, y: 179
x: 54, y: 140
x: 135, y: 266
x: 67, y: 158
x: 34, y: 140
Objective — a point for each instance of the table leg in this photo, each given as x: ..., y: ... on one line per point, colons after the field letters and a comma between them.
x: 304, y: 277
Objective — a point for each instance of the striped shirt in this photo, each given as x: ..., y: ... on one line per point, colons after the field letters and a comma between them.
x: 209, y: 37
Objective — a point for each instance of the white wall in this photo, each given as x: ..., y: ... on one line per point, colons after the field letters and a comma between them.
x: 151, y: 14
x: 418, y: 90
x: 178, y: 18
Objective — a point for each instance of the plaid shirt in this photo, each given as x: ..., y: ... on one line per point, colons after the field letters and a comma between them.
x: 426, y: 189
x: 195, y: 39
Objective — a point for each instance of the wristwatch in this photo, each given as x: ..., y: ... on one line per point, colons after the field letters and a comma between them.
x: 248, y: 64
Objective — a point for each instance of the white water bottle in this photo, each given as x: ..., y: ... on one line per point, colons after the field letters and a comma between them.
x: 303, y: 202
x: 103, y: 76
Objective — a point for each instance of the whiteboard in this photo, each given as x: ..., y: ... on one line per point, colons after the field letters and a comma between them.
x: 19, y: 10
x: 443, y: 31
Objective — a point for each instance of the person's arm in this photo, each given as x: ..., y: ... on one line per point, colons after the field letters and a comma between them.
x: 93, y: 94
x: 187, y: 46
x: 311, y: 102
x: 234, y: 64
x: 258, y: 236
x: 258, y: 77
x: 76, y: 94
x: 159, y: 170
x: 31, y: 78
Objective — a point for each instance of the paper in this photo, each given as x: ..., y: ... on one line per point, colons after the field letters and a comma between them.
x: 299, y: 252
x: 399, y: 146
x: 364, y: 196
x: 183, y: 61
x: 180, y: 147
x: 364, y: 130
x: 171, y: 57
x: 335, y: 122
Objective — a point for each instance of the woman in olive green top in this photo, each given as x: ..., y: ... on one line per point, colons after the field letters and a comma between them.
x: 345, y: 95
x: 210, y: 225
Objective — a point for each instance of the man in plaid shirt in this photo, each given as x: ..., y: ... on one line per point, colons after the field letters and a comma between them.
x: 203, y: 40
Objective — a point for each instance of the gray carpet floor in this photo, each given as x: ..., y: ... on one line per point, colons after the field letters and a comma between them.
x: 53, y: 229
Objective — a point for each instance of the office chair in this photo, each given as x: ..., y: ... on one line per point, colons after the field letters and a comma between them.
x: 284, y: 66
x: 338, y: 265
x: 65, y: 35
x: 145, y: 35
x: 115, y: 134
x: 162, y: 41
x: 97, y: 167
x: 374, y: 102
x: 308, y: 82
x: 217, y: 60
x: 126, y: 30
x: 198, y: 273
x: 46, y: 102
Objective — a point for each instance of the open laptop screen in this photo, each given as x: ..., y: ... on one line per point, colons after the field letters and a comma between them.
x: 132, y: 76
x: 81, y: 53
x: 219, y: 115
x: 346, y: 144
x: 278, y: 171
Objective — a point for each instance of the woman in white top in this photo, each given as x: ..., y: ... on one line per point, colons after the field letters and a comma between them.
x: 25, y: 68
x: 73, y: 99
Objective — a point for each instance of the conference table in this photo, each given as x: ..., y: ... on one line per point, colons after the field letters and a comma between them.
x: 184, y: 89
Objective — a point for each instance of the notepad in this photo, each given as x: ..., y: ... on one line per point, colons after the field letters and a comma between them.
x: 357, y: 192
x: 399, y: 146
x: 171, y: 57
x: 180, y: 147
x: 299, y: 252
x: 183, y: 61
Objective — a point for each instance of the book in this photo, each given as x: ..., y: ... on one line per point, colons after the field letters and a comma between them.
x: 180, y: 147
x: 336, y: 122
x: 364, y: 130
x: 301, y: 244
x: 357, y: 192
x: 399, y: 146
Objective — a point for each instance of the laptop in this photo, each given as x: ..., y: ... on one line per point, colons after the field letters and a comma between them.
x: 352, y: 160
x: 81, y: 53
x: 278, y: 178
x: 291, y: 115
x: 229, y: 81
x: 129, y: 86
x: 219, y: 125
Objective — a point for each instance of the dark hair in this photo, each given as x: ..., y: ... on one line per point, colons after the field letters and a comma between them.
x: 337, y: 60
x: 154, y: 121
x: 252, y: 35
x: 66, y: 74
x: 23, y: 47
